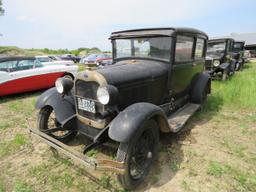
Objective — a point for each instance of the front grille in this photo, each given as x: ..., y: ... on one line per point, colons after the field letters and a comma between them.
x: 208, y: 64
x: 88, y: 90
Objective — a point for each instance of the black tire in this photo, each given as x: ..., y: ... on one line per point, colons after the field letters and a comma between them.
x: 148, y: 136
x: 43, y: 121
x: 199, y: 92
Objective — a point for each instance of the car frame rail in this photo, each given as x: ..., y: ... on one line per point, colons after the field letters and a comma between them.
x: 96, y: 164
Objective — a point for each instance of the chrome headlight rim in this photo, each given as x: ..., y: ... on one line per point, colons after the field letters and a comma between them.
x: 103, y: 95
x: 216, y: 63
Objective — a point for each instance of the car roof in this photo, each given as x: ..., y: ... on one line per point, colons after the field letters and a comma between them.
x: 157, y: 32
x: 220, y: 39
x: 42, y: 56
x: 3, y: 59
x: 239, y: 42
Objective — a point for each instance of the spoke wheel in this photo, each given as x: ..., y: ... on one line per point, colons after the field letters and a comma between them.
x: 138, y: 155
x: 48, y: 123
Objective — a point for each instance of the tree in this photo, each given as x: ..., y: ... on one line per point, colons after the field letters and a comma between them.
x: 1, y: 8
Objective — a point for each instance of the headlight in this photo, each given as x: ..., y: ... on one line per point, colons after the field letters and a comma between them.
x: 103, y: 95
x: 64, y: 85
x: 107, y: 95
x: 59, y: 86
x: 216, y: 63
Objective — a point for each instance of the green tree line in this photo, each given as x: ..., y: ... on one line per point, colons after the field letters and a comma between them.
x: 1, y: 8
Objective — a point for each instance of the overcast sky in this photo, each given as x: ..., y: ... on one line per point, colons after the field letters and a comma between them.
x: 84, y: 23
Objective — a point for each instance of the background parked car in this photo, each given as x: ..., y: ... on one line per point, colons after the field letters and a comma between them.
x: 219, y: 60
x: 51, y: 60
x: 70, y: 57
x: 97, y: 58
x: 23, y: 74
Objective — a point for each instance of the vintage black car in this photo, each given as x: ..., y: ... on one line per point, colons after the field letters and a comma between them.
x: 220, y: 60
x: 239, y: 54
x: 155, y: 84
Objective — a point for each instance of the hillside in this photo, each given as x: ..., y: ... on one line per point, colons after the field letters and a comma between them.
x: 16, y: 51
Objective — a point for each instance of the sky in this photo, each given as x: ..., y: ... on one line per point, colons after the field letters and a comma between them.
x: 88, y: 23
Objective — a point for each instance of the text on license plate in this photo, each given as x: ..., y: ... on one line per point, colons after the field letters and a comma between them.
x: 86, y: 105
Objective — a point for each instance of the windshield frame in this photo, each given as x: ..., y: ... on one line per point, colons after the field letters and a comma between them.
x: 115, y: 59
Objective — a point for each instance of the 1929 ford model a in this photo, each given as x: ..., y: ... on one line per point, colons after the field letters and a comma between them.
x: 155, y: 84
x: 239, y: 54
x: 220, y: 58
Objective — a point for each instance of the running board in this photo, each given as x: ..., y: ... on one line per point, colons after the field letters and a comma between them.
x: 178, y: 119
x: 96, y: 164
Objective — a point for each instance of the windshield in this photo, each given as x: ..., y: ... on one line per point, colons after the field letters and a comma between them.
x: 216, y: 47
x: 93, y: 56
x: 153, y: 47
x: 238, y: 46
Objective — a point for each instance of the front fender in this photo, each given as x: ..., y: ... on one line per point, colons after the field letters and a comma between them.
x: 64, y: 107
x: 127, y: 122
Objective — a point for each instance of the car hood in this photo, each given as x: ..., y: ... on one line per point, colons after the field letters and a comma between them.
x: 133, y: 71
x: 214, y: 55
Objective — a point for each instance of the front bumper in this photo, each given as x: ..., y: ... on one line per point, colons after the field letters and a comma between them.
x: 96, y: 164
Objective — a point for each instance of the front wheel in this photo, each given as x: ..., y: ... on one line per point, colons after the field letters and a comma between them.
x: 48, y: 124
x: 138, y: 155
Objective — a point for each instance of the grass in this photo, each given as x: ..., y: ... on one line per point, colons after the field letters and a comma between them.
x: 239, y: 91
x: 8, y: 147
x: 216, y: 169
x: 2, y: 189
x: 22, y: 187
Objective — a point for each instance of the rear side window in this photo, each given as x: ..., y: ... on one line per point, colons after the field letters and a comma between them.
x: 7, y: 65
x: 199, y: 52
x: 184, y: 48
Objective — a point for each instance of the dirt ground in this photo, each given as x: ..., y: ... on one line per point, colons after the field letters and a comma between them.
x: 216, y: 151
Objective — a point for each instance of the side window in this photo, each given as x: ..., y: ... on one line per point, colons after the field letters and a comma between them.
x: 24, y: 65
x: 38, y: 64
x: 7, y: 66
x: 199, y: 52
x: 184, y: 48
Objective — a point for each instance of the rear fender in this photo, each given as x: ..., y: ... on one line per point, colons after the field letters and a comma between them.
x: 64, y: 107
x: 127, y: 122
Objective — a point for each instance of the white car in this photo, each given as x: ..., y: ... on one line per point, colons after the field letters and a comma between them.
x: 50, y: 60
x: 23, y: 74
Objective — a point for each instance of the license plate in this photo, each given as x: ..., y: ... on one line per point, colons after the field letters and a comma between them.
x: 86, y: 105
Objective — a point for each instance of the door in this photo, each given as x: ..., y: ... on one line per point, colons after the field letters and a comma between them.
x: 183, y: 65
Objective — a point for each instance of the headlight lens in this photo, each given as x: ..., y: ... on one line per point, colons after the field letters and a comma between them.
x: 64, y: 85
x: 216, y: 63
x: 103, y: 95
x: 59, y: 86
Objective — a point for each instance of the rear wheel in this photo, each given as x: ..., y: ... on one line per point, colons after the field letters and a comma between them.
x: 138, y: 155
x: 48, y: 124
x: 199, y: 92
